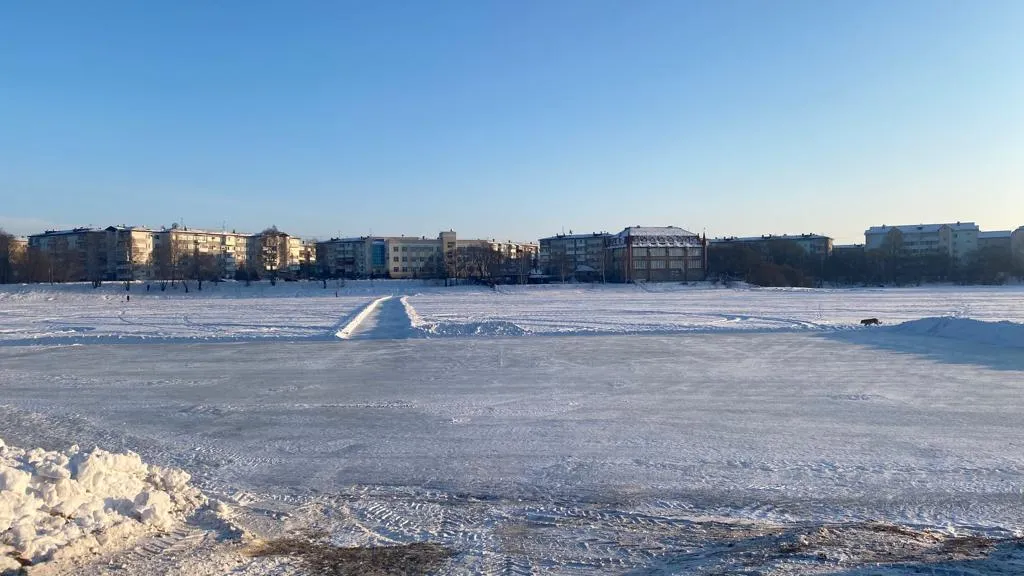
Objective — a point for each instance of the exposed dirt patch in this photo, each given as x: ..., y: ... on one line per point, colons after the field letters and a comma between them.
x: 317, y: 557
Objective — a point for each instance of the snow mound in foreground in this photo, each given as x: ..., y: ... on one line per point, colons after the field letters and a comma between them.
x: 71, y: 503
x: 1003, y: 333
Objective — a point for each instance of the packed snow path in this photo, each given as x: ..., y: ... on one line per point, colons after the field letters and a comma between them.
x: 386, y: 318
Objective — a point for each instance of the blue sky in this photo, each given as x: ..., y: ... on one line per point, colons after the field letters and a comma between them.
x: 512, y: 119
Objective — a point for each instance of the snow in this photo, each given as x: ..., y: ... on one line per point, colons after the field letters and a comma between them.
x: 1003, y: 333
x: 65, y: 502
x: 558, y: 429
x: 301, y: 311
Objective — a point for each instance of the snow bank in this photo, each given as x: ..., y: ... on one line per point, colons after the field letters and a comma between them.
x: 1003, y: 333
x: 479, y: 328
x: 70, y: 503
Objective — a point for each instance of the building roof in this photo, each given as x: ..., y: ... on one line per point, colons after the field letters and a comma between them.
x: 994, y: 234
x: 655, y: 231
x: 578, y: 236
x: 129, y: 228
x: 770, y: 237
x: 921, y: 228
x: 654, y: 236
x: 62, y: 232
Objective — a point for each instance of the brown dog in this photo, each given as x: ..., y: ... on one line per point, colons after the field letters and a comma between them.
x: 870, y: 322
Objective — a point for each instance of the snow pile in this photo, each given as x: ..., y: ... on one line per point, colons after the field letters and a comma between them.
x: 480, y: 328
x: 1005, y: 333
x: 69, y: 503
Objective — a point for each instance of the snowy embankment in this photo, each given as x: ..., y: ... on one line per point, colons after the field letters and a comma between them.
x: 61, y: 505
x: 1005, y: 333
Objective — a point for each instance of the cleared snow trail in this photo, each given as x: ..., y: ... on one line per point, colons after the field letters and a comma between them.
x: 370, y: 309
x: 386, y: 318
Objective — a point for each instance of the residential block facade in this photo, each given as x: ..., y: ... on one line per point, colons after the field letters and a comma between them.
x: 814, y: 245
x: 580, y: 257
x: 656, y: 254
x: 958, y: 240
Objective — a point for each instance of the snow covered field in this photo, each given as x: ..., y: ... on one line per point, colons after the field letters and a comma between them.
x: 565, y: 430
x: 307, y: 311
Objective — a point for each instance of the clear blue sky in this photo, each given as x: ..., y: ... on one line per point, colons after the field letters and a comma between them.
x: 513, y: 118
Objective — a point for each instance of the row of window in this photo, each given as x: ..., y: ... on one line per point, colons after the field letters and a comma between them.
x: 662, y: 251
x: 416, y: 248
x: 662, y: 264
x: 410, y: 259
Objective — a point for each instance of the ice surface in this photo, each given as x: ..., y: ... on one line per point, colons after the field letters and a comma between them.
x: 590, y: 442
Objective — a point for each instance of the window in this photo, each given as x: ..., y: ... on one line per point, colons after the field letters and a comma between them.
x: 394, y: 249
x: 405, y: 258
x: 639, y: 264
x: 658, y: 264
x: 404, y: 269
x: 639, y: 251
x: 395, y: 259
x: 396, y: 269
x: 405, y: 248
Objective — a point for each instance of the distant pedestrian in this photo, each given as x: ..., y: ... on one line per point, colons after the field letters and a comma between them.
x: 128, y: 297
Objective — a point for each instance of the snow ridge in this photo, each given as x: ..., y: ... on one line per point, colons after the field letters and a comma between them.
x: 346, y: 332
x: 1005, y: 333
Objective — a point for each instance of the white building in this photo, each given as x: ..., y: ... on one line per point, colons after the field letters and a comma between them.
x: 412, y: 257
x: 958, y: 240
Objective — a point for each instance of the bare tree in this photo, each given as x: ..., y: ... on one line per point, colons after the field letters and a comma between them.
x: 7, y: 257
x: 273, y: 252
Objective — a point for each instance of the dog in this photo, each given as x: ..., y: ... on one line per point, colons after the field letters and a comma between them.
x: 870, y: 322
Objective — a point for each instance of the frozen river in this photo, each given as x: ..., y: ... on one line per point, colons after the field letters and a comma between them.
x: 600, y: 446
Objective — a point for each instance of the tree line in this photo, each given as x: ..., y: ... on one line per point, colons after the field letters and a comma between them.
x: 785, y: 263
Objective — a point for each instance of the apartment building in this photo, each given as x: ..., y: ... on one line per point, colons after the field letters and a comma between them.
x: 129, y: 253
x: 509, y: 250
x: 1017, y: 245
x: 411, y: 257
x: 958, y: 240
x: 847, y: 249
x: 178, y: 252
x: 75, y: 255
x: 359, y: 257
x: 995, y: 240
x: 814, y: 245
x: 580, y: 257
x: 656, y: 254
x: 275, y: 253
